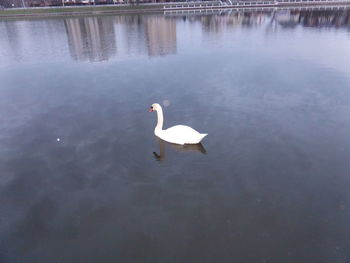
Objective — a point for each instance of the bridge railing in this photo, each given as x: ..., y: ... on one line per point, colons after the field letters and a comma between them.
x: 247, y: 3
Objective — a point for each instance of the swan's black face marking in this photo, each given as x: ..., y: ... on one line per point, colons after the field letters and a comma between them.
x: 151, y: 109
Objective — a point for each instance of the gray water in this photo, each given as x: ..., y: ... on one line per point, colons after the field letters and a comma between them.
x: 84, y: 179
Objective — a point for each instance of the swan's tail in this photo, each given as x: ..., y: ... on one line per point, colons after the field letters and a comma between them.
x: 198, y: 139
x: 202, y: 136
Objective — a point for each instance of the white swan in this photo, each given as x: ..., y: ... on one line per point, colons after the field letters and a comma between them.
x: 179, y: 134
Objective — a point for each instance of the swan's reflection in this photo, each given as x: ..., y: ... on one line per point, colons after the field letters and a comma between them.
x: 182, y: 148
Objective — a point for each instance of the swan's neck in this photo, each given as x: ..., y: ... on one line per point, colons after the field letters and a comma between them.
x: 159, y: 126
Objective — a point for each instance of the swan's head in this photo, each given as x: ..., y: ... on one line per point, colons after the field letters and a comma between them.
x: 154, y: 107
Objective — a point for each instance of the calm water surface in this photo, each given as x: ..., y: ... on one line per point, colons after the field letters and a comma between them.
x: 271, y: 182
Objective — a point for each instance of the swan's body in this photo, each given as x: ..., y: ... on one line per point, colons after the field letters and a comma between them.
x: 179, y: 134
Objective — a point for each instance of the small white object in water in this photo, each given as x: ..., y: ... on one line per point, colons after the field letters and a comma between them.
x: 58, y: 139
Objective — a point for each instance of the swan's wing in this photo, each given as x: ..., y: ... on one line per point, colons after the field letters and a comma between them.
x: 181, y: 129
x: 182, y: 134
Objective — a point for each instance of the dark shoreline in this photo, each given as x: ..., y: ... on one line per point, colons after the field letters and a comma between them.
x: 78, y: 11
x: 130, y: 9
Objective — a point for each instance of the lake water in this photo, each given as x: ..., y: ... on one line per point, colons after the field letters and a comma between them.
x: 84, y: 179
